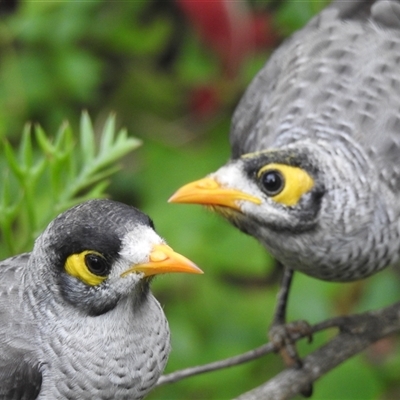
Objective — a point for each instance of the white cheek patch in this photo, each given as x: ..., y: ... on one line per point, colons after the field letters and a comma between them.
x: 137, y: 245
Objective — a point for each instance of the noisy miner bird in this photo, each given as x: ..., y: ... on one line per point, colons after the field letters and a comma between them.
x: 78, y: 320
x: 315, y: 172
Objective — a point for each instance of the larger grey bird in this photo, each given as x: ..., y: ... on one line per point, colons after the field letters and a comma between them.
x: 78, y: 320
x: 315, y: 167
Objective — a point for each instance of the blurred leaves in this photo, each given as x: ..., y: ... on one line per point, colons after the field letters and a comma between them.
x: 46, y: 175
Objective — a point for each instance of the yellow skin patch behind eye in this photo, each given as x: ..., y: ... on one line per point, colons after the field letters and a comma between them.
x: 76, y: 266
x: 297, y: 182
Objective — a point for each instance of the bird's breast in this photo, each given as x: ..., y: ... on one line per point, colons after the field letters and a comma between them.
x: 119, y: 354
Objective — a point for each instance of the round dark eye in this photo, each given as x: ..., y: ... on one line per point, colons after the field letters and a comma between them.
x: 97, y: 264
x: 272, y: 182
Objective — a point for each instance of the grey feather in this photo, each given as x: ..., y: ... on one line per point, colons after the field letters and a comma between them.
x: 20, y: 374
x: 53, y: 346
x: 386, y: 13
x: 332, y: 75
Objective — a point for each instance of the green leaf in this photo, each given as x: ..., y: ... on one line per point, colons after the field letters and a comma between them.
x: 12, y: 161
x: 25, y: 150
x: 46, y: 175
x: 87, y: 143
x: 43, y: 142
x: 107, y: 135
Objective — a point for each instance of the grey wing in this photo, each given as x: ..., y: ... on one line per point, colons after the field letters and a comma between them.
x: 341, y: 73
x: 20, y: 379
x: 20, y: 376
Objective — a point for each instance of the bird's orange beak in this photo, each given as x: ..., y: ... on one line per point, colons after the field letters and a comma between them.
x: 164, y: 260
x: 208, y: 191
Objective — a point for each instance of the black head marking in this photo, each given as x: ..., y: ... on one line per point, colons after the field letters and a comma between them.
x: 294, y: 158
x: 94, y: 225
x: 97, y: 225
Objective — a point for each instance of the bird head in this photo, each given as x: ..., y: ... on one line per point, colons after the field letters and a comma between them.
x: 102, y: 251
x: 315, y: 207
x: 277, y: 190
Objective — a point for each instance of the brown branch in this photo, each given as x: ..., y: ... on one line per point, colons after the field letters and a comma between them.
x: 356, y: 333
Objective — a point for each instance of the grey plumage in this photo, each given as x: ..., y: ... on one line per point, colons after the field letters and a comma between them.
x: 327, y: 102
x: 338, y: 76
x: 63, y: 337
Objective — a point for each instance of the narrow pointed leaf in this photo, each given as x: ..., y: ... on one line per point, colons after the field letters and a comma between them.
x: 87, y: 142
x: 25, y: 148
x: 12, y: 160
x: 107, y: 135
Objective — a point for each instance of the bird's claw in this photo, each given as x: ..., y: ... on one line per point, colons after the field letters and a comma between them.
x: 283, y: 337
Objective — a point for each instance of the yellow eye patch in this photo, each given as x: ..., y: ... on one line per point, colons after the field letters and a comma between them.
x: 77, y: 265
x: 295, y: 182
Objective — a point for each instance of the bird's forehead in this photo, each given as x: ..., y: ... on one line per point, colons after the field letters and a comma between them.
x: 233, y: 175
x: 138, y: 243
x: 288, y: 155
x: 236, y: 169
x: 293, y: 155
x: 227, y: 174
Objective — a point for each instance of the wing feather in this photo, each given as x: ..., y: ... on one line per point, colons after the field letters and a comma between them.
x: 20, y: 375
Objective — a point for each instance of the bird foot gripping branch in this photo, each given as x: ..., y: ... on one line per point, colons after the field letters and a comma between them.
x: 284, y: 337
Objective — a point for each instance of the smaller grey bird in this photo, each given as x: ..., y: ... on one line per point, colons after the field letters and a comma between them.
x: 78, y: 320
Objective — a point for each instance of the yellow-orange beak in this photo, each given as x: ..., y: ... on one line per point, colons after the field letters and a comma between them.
x: 209, y: 192
x: 164, y: 260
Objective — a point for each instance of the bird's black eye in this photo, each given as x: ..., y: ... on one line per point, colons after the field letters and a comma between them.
x: 97, y: 264
x: 273, y: 182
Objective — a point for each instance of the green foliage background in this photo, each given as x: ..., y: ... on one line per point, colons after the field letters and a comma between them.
x: 143, y: 60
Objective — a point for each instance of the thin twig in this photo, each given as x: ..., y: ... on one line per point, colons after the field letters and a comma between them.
x: 214, y: 366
